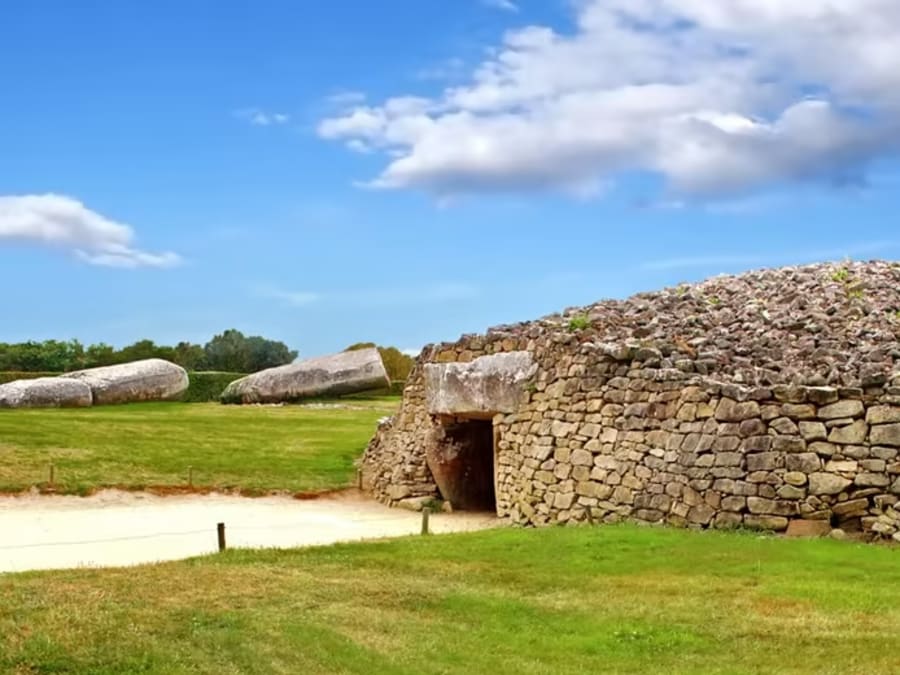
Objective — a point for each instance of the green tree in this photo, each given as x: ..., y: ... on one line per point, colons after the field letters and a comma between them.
x: 263, y: 353
x: 397, y: 364
x: 232, y: 351
x: 145, y: 349
x: 100, y: 354
x: 190, y: 356
x: 227, y: 352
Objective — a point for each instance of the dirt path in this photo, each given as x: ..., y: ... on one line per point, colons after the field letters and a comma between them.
x: 114, y: 528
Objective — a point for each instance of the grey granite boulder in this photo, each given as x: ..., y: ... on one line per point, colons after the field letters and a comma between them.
x: 488, y: 385
x: 344, y: 373
x: 45, y: 392
x: 147, y: 380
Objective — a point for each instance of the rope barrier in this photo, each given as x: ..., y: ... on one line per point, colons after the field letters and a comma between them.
x: 400, y: 520
x: 103, y: 541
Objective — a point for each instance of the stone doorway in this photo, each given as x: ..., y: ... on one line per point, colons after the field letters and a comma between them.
x: 461, y: 456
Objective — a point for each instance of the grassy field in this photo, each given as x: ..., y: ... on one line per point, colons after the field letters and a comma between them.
x: 257, y: 449
x: 615, y: 599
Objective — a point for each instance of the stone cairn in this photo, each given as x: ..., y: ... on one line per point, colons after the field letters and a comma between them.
x: 769, y: 400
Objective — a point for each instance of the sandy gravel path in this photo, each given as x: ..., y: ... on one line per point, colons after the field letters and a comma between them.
x: 114, y: 528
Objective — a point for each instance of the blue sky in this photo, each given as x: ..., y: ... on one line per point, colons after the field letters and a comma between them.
x: 408, y: 170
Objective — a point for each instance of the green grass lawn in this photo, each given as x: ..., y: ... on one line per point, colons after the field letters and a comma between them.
x: 616, y: 599
x: 293, y: 448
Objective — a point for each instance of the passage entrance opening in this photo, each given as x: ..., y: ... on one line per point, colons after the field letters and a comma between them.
x: 461, y: 460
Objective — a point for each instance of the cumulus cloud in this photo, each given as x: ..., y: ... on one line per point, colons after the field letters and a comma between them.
x: 714, y: 97
x: 63, y: 222
x: 262, y: 118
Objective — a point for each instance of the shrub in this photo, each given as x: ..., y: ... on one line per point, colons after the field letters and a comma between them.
x: 396, y: 389
x: 397, y: 364
x: 579, y: 322
x: 841, y: 275
x: 208, y: 386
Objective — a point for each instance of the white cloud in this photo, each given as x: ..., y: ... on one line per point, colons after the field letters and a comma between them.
x: 63, y: 222
x: 505, y: 5
x: 412, y: 351
x: 715, y: 97
x: 261, y: 118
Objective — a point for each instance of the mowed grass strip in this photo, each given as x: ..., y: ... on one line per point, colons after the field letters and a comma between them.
x: 617, y: 599
x: 253, y: 448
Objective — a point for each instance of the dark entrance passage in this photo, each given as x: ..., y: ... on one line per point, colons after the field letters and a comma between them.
x: 461, y: 459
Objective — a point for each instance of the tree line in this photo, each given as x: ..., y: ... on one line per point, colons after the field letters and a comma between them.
x: 230, y: 351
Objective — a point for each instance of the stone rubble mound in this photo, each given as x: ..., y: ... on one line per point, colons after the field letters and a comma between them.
x: 823, y: 324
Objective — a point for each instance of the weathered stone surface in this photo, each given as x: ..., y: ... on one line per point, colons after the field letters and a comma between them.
x: 344, y: 373
x: 883, y: 414
x: 701, y: 514
x: 788, y: 444
x: 760, y: 522
x: 765, y: 461
x: 791, y: 492
x: 867, y: 479
x: 799, y: 411
x: 733, y: 411
x: 841, y: 466
x: 795, y: 478
x: 853, y: 507
x: 489, y: 384
x: 822, y: 395
x: 808, y: 528
x: 886, y: 434
x: 827, y: 484
x: 852, y: 434
x: 45, y: 392
x: 813, y: 431
x: 803, y: 463
x: 847, y: 408
x: 783, y: 425
x: 147, y: 380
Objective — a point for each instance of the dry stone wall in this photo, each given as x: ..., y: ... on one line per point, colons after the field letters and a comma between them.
x: 656, y: 445
x: 766, y: 400
x: 612, y: 433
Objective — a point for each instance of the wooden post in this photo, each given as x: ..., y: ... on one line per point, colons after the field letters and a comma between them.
x: 221, y: 531
x: 589, y: 514
x: 52, y: 474
x: 359, y: 479
x: 190, y: 476
x: 426, y: 513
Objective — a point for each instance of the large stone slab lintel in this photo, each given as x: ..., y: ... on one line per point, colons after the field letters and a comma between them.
x: 483, y: 387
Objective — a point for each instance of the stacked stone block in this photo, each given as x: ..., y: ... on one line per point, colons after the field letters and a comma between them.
x: 620, y: 432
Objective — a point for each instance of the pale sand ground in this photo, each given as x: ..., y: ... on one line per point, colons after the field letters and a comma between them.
x: 51, y: 532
